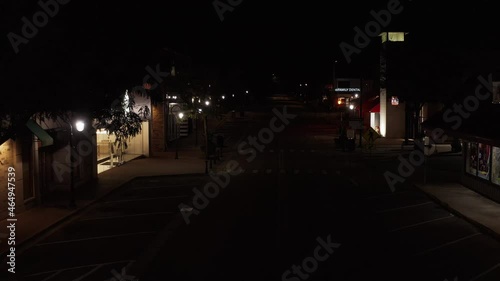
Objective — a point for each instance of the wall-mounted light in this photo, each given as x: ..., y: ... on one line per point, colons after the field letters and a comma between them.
x: 394, y: 100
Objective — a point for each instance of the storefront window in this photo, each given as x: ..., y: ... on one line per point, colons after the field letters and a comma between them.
x: 484, y: 153
x: 471, y: 160
x: 495, y: 166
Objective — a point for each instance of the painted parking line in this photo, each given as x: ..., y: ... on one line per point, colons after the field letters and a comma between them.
x: 146, y: 199
x: 404, y: 207
x: 384, y: 195
x: 57, y: 271
x: 156, y: 187
x: 88, y: 273
x: 126, y: 216
x: 420, y: 223
x: 447, y: 244
x: 485, y: 272
x: 95, y: 238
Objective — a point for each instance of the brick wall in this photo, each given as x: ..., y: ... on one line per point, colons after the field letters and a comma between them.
x: 158, y: 129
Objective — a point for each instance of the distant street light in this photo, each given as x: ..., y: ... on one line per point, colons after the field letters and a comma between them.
x: 207, y: 103
x: 223, y: 97
x: 351, y: 107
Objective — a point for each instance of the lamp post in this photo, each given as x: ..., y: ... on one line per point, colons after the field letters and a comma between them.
x: 175, y: 110
x: 80, y: 126
x: 205, y: 127
x: 179, y: 118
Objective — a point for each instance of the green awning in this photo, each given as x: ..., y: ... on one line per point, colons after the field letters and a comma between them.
x: 40, y: 133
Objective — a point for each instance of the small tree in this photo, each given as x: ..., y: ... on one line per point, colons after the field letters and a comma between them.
x: 122, y: 121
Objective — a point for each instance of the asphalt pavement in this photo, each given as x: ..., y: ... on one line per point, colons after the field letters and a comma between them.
x: 289, y: 207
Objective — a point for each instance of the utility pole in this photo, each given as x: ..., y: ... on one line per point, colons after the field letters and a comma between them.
x: 205, y: 126
x: 361, y: 111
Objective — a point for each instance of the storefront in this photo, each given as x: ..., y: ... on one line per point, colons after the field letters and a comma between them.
x: 482, y: 168
x: 111, y: 153
x: 108, y: 151
x: 480, y: 141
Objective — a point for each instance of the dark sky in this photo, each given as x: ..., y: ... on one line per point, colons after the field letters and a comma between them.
x: 297, y: 40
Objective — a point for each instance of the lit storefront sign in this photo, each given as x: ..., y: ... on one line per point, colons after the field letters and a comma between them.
x: 394, y: 100
x: 347, y: 89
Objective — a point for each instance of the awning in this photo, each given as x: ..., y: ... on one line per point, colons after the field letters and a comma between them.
x: 40, y: 133
x: 375, y: 109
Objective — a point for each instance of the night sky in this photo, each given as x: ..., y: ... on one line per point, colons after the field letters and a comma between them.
x: 91, y: 44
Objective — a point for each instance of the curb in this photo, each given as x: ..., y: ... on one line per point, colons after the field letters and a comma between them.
x: 480, y: 226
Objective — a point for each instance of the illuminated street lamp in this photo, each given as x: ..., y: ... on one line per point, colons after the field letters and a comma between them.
x: 351, y: 107
x: 207, y: 103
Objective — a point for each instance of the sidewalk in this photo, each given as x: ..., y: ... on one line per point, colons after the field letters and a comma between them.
x: 444, y: 187
x: 33, y: 223
x: 475, y: 208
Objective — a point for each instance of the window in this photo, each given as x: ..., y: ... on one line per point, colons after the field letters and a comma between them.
x: 495, y: 166
x: 484, y: 156
x: 471, y: 160
x: 396, y: 36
